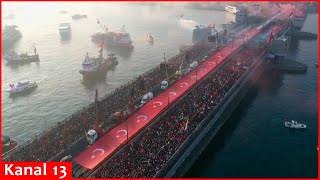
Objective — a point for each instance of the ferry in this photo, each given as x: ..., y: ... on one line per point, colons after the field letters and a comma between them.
x: 21, y: 86
x: 65, y: 29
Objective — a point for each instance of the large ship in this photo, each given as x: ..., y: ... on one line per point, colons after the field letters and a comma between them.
x: 10, y: 35
x: 96, y: 67
x: 118, y: 38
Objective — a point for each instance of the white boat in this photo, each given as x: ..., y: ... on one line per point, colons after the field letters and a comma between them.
x: 89, y: 65
x: 21, y: 86
x: 231, y: 9
x: 150, y: 38
x: 65, y: 29
x: 294, y: 124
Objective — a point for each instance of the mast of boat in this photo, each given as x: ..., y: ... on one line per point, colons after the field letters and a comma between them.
x: 103, y: 28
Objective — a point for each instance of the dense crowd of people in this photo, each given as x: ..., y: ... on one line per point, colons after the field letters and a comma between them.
x: 70, y: 130
x: 145, y: 155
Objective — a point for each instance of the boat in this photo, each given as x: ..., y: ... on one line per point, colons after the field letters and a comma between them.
x: 150, y: 38
x: 7, y: 144
x: 65, y: 29
x: 95, y: 67
x: 14, y: 58
x: 10, y: 35
x: 231, y: 9
x: 118, y: 38
x: 21, y: 86
x: 316, y: 64
x: 79, y: 16
x: 294, y: 124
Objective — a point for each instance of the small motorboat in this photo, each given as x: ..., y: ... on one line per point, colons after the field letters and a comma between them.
x: 294, y: 124
x: 21, y: 86
x: 150, y: 38
x: 79, y: 16
x: 7, y: 144
x: 316, y: 64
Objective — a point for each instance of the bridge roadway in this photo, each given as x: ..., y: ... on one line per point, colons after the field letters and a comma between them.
x: 81, y: 144
x: 209, y: 66
x: 118, y: 136
x: 236, y: 88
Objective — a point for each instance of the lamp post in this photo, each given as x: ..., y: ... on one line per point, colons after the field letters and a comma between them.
x: 196, y: 74
x: 127, y: 131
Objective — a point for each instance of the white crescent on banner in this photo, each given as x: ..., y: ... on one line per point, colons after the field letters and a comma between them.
x: 157, y: 103
x: 124, y: 132
x: 193, y: 77
x: 141, y: 117
x: 183, y: 84
x: 172, y: 93
x: 94, y: 151
x: 203, y: 70
x: 211, y: 63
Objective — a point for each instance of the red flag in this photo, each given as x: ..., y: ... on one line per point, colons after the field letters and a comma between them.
x: 101, y: 44
x: 211, y: 25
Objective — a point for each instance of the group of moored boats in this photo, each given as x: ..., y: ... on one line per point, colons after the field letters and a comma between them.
x: 92, y: 67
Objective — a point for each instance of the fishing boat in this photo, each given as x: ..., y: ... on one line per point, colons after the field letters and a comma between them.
x: 117, y: 38
x: 21, y: 86
x: 7, y: 144
x: 95, y: 67
x: 14, y: 58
